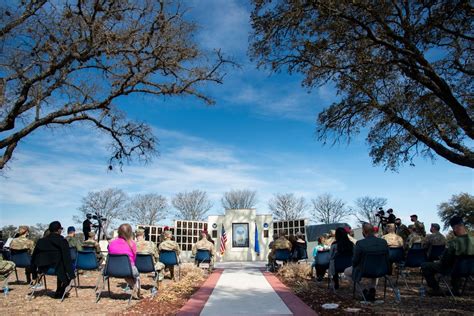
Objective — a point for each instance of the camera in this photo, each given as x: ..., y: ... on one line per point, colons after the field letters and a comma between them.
x: 384, y: 220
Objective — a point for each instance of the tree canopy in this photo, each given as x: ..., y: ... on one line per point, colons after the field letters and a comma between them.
x: 191, y: 206
x: 239, y: 199
x: 402, y: 70
x: 460, y: 205
x: 328, y: 209
x: 287, y: 206
x: 69, y: 62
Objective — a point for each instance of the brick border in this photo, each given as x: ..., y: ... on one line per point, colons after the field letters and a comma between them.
x: 293, y: 302
x: 196, y: 302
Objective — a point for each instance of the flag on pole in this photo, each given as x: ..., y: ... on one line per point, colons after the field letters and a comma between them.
x: 257, y: 245
x: 223, y: 240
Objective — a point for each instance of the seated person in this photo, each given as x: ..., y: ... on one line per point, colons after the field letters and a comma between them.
x: 321, y: 246
x: 22, y: 243
x: 204, y: 244
x: 92, y: 243
x: 299, y: 247
x: 414, y: 238
x: 341, y: 246
x: 270, y: 246
x: 392, y: 239
x: 281, y: 243
x: 369, y: 244
x: 401, y: 230
x: 53, y: 251
x: 434, y: 239
x: 169, y: 245
x: 124, y: 245
x: 72, y: 240
x: 462, y: 245
x: 6, y: 268
x: 150, y: 248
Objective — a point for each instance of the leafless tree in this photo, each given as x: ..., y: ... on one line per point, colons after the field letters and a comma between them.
x: 146, y: 209
x: 239, y: 199
x: 328, y: 209
x: 68, y: 62
x: 191, y: 205
x: 109, y: 203
x: 403, y: 70
x: 367, y: 207
x: 287, y: 206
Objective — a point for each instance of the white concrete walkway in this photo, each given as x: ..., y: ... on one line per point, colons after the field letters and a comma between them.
x: 243, y: 289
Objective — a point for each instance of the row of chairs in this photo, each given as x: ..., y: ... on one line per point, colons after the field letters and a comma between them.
x: 284, y: 256
x: 117, y: 266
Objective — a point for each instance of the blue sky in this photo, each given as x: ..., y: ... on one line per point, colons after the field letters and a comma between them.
x: 259, y: 135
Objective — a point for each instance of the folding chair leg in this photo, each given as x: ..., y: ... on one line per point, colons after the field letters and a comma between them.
x: 446, y: 284
x: 108, y: 286
x: 16, y: 273
x: 78, y: 281
x: 99, y: 292
x: 384, y: 287
x: 357, y: 286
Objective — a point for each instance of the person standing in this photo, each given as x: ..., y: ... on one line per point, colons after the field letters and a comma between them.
x: 87, y: 226
x: 22, y: 243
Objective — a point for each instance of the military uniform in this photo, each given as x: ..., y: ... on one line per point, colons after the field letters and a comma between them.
x: 6, y: 268
x: 74, y: 242
x: 403, y: 232
x: 436, y: 239
x: 420, y: 228
x: 204, y: 244
x: 393, y: 240
x: 414, y: 238
x: 460, y: 246
x: 21, y: 243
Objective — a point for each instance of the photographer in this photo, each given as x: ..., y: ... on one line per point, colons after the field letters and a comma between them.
x: 87, y: 225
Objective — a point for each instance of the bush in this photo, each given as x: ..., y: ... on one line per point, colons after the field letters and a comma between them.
x: 292, y: 273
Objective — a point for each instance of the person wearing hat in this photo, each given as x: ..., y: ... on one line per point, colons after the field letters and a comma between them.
x: 149, y: 247
x: 434, y: 239
x: 169, y: 245
x: 462, y: 245
x: 401, y: 229
x: 53, y: 251
x: 415, y: 238
x: 204, y: 244
x: 90, y: 242
x: 72, y: 240
x: 22, y: 243
x: 419, y: 226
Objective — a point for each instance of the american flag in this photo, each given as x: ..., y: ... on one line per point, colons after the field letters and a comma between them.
x: 223, y: 240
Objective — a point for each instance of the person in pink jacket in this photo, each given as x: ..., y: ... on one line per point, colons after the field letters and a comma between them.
x: 124, y: 245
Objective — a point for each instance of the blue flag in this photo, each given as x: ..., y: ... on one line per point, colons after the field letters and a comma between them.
x: 257, y: 245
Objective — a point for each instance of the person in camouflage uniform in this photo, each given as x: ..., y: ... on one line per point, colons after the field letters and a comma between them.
x: 6, y: 268
x: 462, y: 245
x: 169, y: 245
x: 401, y: 230
x: 392, y: 239
x: 72, y: 240
x: 22, y: 243
x: 419, y: 226
x: 331, y: 238
x: 414, y: 237
x: 149, y: 247
x: 435, y: 238
x: 204, y: 244
x: 92, y: 243
x: 281, y: 243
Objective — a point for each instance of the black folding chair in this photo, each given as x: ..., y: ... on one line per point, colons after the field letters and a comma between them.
x: 21, y: 258
x: 463, y: 268
x: 86, y: 260
x: 202, y: 256
x: 145, y: 264
x: 414, y: 259
x: 435, y: 252
x: 341, y: 262
x: 170, y: 258
x: 43, y: 272
x: 117, y: 266
x: 322, y: 259
x: 375, y: 265
x: 396, y: 256
x: 282, y: 255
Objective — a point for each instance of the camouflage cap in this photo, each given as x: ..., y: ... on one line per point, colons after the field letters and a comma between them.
x: 91, y: 234
x: 168, y: 232
x: 23, y: 229
x: 436, y: 226
x: 140, y: 232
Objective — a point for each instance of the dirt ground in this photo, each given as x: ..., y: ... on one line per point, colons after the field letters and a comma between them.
x: 315, y: 294
x: 171, y: 296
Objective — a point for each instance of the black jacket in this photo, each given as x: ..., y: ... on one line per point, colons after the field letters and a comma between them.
x: 53, y: 250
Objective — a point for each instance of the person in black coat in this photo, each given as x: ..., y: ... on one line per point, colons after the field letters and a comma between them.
x: 53, y: 251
